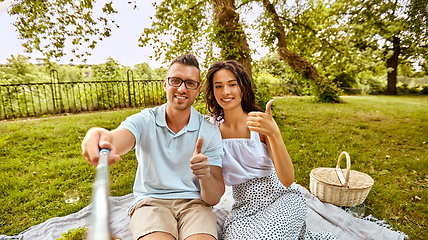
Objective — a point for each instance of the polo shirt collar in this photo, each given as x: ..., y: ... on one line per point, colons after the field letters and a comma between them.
x: 194, y: 120
x: 191, y: 126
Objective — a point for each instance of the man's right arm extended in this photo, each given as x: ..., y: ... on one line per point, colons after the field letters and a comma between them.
x: 118, y: 141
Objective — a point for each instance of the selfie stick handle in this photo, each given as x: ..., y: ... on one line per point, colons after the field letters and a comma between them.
x: 99, y: 218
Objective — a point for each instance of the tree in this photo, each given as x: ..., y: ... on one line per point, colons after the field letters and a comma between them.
x: 160, y: 73
x: 319, y: 39
x: 186, y: 25
x: 111, y: 70
x: 398, y: 28
x: 229, y: 35
x: 189, y: 26
x: 352, y: 37
x: 20, y: 70
x: 67, y: 73
x: 226, y: 32
x: 325, y: 89
x: 193, y: 30
x: 47, y: 25
x: 143, y: 71
x: 291, y: 82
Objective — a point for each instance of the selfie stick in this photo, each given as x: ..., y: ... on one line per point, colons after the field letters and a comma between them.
x: 99, y: 217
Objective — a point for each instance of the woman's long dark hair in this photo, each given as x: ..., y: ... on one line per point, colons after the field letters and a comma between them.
x: 248, y: 102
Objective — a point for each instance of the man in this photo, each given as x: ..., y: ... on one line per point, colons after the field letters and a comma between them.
x: 179, y: 155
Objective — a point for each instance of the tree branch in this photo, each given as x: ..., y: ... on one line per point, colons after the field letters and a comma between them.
x: 312, y: 30
x: 244, y: 3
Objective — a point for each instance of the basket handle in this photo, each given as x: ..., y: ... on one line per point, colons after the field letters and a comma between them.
x: 343, y: 180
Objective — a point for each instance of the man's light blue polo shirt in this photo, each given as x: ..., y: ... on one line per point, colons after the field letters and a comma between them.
x: 164, y: 156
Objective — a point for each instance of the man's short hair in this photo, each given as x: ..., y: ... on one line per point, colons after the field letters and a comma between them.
x: 187, y: 59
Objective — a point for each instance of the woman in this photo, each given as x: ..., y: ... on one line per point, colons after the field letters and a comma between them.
x: 256, y: 162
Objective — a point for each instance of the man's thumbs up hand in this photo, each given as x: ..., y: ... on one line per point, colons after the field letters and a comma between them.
x: 199, y: 162
x: 198, y: 146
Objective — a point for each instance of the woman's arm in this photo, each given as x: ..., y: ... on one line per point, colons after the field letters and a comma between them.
x: 281, y: 159
x: 264, y: 124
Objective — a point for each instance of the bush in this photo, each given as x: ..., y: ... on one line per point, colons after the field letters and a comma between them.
x: 373, y: 86
x: 199, y: 104
x: 326, y: 93
x: 345, y: 80
x: 424, y: 89
x: 274, y: 83
x: 263, y: 95
x: 404, y: 89
x: 415, y: 89
x: 284, y: 79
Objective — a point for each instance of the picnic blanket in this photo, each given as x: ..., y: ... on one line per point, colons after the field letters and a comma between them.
x: 320, y: 217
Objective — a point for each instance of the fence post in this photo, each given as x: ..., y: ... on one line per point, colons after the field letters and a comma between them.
x: 56, y: 90
x: 2, y: 103
x: 129, y: 87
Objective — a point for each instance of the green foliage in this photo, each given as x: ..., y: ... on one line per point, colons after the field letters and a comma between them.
x: 325, y: 93
x: 314, y: 31
x: 143, y: 71
x: 424, y: 89
x: 272, y: 65
x: 75, y: 92
x: 403, y: 88
x: 20, y: 70
x: 343, y: 36
x: 263, y: 94
x: 111, y: 70
x: 67, y: 73
x: 46, y: 25
x: 290, y: 81
x: 74, y: 234
x: 378, y: 23
x: 373, y: 85
x: 229, y: 36
x: 185, y: 22
x: 268, y: 78
x: 160, y: 73
x: 345, y: 80
x: 200, y: 105
x: 338, y: 37
x: 406, y: 68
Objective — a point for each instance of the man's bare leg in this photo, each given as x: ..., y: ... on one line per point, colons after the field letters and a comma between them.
x: 157, y: 236
x: 201, y: 236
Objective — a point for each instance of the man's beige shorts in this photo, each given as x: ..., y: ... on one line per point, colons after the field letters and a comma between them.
x: 178, y: 217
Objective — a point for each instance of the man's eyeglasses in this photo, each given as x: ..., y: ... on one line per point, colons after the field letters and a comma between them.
x: 176, y: 82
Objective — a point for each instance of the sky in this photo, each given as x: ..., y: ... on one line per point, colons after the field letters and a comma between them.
x: 121, y: 46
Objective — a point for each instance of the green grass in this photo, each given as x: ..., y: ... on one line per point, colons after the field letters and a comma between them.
x: 386, y: 137
x: 40, y: 159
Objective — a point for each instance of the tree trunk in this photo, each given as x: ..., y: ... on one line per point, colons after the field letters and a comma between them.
x: 298, y: 63
x: 327, y: 90
x: 230, y: 36
x: 392, y: 64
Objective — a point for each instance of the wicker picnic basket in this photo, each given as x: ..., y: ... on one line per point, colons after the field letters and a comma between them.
x: 341, y: 187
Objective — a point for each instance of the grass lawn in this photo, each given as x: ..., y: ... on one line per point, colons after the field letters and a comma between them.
x: 386, y: 137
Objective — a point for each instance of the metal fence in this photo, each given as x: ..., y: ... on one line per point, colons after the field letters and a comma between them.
x: 38, y: 99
